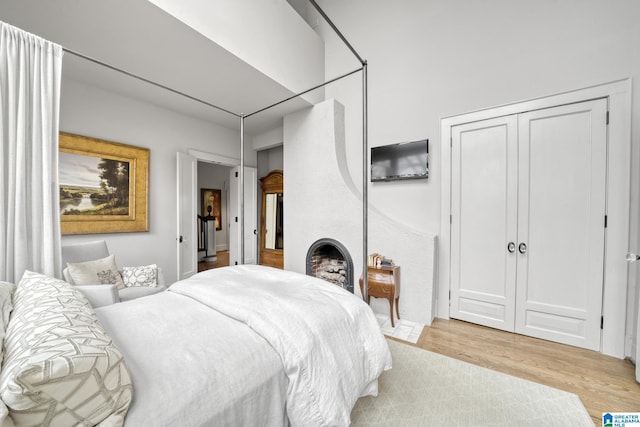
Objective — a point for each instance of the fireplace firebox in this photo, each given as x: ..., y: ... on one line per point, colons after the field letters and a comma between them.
x: 329, y: 260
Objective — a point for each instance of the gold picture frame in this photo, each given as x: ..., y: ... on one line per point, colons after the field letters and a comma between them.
x: 103, y: 186
x: 211, y: 200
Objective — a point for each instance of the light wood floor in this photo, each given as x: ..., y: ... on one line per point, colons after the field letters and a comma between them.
x: 603, y: 383
x: 221, y: 261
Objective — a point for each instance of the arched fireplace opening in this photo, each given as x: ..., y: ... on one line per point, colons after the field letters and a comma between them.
x: 329, y: 260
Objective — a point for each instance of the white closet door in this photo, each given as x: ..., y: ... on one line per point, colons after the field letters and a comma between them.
x: 484, y: 203
x: 561, y: 211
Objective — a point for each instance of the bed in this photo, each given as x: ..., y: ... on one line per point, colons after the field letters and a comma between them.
x: 239, y: 346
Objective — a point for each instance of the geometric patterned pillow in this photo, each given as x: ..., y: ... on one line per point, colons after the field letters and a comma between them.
x: 5, y: 418
x: 6, y: 305
x: 101, y: 271
x: 146, y: 275
x: 61, y: 368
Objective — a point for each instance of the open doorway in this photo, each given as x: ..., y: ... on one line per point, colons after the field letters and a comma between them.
x: 241, y: 251
x: 213, y: 214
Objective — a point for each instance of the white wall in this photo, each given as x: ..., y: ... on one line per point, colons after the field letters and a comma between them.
x: 268, y: 35
x: 321, y: 201
x: 318, y: 202
x: 269, y: 160
x: 90, y: 111
x: 431, y: 59
x: 269, y: 139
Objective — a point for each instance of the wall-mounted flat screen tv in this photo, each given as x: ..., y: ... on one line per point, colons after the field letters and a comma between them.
x: 406, y: 160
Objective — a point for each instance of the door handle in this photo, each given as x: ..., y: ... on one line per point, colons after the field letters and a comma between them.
x: 180, y: 239
x: 511, y: 247
x: 255, y: 231
x: 522, y: 248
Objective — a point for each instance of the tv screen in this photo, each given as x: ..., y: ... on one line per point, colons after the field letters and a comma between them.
x: 407, y: 160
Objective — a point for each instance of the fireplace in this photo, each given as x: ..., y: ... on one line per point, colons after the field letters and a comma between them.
x: 329, y: 260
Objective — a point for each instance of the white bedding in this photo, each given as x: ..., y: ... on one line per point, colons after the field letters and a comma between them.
x: 290, y: 345
x: 192, y: 366
x: 329, y: 341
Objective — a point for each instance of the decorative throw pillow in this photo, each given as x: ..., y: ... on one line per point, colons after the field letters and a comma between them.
x: 61, y: 368
x: 6, y: 305
x: 99, y: 272
x: 5, y: 419
x: 146, y: 275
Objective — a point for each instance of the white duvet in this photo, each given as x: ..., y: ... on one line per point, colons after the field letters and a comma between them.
x: 192, y: 366
x: 328, y: 340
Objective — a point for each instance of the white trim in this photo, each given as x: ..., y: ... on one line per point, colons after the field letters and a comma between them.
x: 214, y: 158
x: 616, y: 280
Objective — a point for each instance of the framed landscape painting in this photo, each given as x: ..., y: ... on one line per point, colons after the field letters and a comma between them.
x: 103, y: 186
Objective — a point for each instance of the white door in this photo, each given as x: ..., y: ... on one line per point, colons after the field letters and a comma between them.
x: 484, y: 214
x: 527, y: 227
x: 561, y: 222
x: 187, y: 174
x: 250, y: 216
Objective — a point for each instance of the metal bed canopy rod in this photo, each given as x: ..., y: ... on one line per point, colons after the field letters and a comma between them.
x: 304, y: 92
x: 365, y: 201
x: 337, y: 31
x: 193, y: 98
x: 238, y: 115
x: 135, y: 76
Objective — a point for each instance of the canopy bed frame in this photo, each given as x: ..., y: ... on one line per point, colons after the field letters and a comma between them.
x: 242, y: 117
x: 303, y: 351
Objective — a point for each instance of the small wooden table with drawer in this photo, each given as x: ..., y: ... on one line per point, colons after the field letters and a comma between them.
x: 384, y: 282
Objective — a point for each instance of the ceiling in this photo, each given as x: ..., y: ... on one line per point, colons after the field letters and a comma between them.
x: 140, y: 38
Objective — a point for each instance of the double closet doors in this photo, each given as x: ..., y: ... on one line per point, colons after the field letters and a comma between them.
x: 528, y: 205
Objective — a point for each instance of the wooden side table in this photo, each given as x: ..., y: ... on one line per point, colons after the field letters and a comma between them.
x: 384, y: 282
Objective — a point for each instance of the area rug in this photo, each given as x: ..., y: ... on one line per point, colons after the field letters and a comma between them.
x: 428, y: 389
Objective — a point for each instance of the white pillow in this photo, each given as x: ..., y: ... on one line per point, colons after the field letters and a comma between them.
x: 146, y: 275
x: 99, y: 272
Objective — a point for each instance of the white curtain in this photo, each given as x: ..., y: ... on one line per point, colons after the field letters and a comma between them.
x: 30, y: 70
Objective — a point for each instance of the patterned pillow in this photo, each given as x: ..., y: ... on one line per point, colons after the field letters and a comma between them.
x: 5, y: 418
x: 61, y: 368
x: 146, y: 275
x: 101, y: 271
x: 6, y: 296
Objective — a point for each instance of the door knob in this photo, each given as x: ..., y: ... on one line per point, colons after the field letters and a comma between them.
x: 522, y: 248
x: 511, y: 247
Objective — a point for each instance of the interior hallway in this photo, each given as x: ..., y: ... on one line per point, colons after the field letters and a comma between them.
x: 222, y: 260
